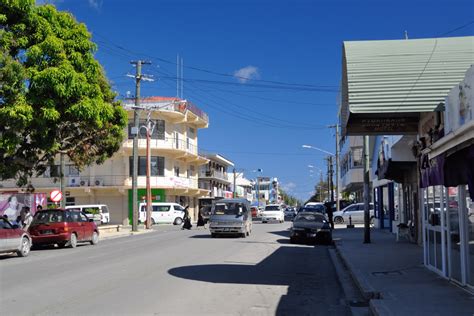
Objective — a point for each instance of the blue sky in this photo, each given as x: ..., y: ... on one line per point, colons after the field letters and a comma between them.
x: 254, y: 123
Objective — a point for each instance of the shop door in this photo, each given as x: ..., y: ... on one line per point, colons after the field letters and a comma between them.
x: 434, y: 215
x: 454, y: 235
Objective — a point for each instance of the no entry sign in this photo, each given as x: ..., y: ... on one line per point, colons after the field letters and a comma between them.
x: 56, y: 195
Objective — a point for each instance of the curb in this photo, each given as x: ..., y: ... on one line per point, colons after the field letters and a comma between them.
x: 374, y: 297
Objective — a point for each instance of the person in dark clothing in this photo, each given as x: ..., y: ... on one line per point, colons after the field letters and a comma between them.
x: 186, y: 219
x: 201, y: 222
x: 329, y: 212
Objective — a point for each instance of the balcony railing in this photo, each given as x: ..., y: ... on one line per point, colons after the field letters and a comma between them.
x: 174, y: 106
x: 213, y: 174
x: 166, y: 143
x: 108, y: 181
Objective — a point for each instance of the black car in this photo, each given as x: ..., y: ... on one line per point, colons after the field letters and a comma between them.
x: 310, y: 226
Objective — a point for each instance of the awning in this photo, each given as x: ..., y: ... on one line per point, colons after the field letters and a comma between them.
x: 386, y: 84
x: 395, y: 170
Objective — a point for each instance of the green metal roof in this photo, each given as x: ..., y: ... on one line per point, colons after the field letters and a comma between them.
x: 401, y: 76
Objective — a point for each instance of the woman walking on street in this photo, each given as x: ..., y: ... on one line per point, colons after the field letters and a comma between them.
x: 186, y: 219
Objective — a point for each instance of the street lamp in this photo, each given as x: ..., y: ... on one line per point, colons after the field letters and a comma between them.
x: 337, y: 168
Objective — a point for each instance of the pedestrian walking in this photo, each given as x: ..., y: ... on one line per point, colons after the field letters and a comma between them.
x: 186, y: 219
x: 27, y: 218
x: 329, y: 212
x: 201, y: 222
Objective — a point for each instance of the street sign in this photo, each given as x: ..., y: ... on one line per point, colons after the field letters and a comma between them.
x: 56, y: 195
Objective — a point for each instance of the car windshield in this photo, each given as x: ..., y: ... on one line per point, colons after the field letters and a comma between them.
x: 314, y: 208
x: 50, y: 216
x: 308, y: 217
x: 227, y: 208
x: 272, y: 208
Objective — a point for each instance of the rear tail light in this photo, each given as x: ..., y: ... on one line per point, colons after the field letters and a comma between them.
x: 63, y: 229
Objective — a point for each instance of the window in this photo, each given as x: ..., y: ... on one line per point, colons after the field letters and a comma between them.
x: 191, y: 131
x: 357, y: 157
x: 157, y: 165
x: 158, y: 131
x: 83, y: 218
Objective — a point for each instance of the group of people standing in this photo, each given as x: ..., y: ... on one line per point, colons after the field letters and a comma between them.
x: 187, y: 220
x: 25, y: 218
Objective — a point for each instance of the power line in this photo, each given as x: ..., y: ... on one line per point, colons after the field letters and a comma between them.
x: 456, y: 29
x: 122, y: 48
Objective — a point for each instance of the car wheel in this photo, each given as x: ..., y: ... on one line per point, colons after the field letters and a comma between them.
x: 24, y: 247
x: 178, y: 221
x: 247, y: 233
x: 338, y: 220
x: 293, y: 240
x: 95, y: 238
x: 264, y: 222
x: 72, y: 243
x: 243, y: 235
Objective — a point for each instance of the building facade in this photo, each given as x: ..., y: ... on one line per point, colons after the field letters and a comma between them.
x: 175, y: 163
x: 213, y: 176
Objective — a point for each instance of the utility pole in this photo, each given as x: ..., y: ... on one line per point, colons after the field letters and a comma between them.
x: 366, y: 192
x: 320, y: 185
x: 331, y: 183
x: 337, y: 166
x: 135, y: 129
x: 329, y: 176
x: 62, y: 184
x: 234, y: 194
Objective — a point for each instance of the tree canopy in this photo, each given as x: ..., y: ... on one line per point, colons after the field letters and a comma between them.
x: 54, y: 95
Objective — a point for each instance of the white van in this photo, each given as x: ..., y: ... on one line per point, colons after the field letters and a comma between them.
x: 98, y: 212
x: 162, y: 212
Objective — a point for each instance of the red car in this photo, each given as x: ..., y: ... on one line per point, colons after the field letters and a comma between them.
x: 13, y: 239
x: 63, y: 227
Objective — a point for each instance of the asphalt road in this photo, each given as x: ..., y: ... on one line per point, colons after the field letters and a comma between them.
x: 175, y: 272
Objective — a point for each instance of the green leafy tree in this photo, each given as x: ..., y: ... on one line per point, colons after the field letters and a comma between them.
x: 288, y: 199
x: 321, y: 192
x: 54, y: 95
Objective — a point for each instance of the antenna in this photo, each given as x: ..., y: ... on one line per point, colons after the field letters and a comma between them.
x: 406, y: 34
x: 182, y: 81
x: 177, y: 75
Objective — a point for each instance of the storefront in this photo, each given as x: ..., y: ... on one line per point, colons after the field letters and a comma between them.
x: 447, y: 179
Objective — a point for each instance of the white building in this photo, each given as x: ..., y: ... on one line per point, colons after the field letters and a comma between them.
x: 174, y: 163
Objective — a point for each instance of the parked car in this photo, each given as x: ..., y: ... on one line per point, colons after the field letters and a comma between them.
x: 230, y: 217
x: 310, y: 226
x: 255, y: 212
x: 13, y: 239
x: 317, y: 208
x: 98, y: 212
x: 64, y: 227
x: 273, y: 212
x: 355, y: 211
x: 290, y: 212
x: 163, y: 213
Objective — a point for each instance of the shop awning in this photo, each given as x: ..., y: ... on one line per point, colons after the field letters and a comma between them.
x: 386, y: 84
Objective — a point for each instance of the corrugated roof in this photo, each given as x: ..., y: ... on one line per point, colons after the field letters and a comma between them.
x: 401, y: 76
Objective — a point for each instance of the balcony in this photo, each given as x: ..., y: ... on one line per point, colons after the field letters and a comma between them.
x: 214, y: 174
x: 175, y: 147
x: 174, y: 109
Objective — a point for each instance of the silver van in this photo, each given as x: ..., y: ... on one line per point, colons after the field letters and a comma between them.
x: 230, y: 217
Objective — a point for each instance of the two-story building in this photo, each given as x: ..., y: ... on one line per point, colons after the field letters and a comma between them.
x: 175, y: 163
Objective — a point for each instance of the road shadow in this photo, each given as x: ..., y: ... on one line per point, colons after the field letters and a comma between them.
x: 284, y: 233
x: 309, y: 275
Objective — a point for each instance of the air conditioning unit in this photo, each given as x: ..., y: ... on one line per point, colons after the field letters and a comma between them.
x: 74, y: 181
x: 84, y: 183
x: 98, y: 182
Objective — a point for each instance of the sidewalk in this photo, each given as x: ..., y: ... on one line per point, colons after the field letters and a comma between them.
x: 392, y: 276
x: 115, y: 231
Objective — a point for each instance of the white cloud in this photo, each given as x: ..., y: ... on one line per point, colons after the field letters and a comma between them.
x: 288, y: 187
x: 247, y: 73
x: 96, y: 4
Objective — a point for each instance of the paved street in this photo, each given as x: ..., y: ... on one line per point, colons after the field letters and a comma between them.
x: 174, y: 272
